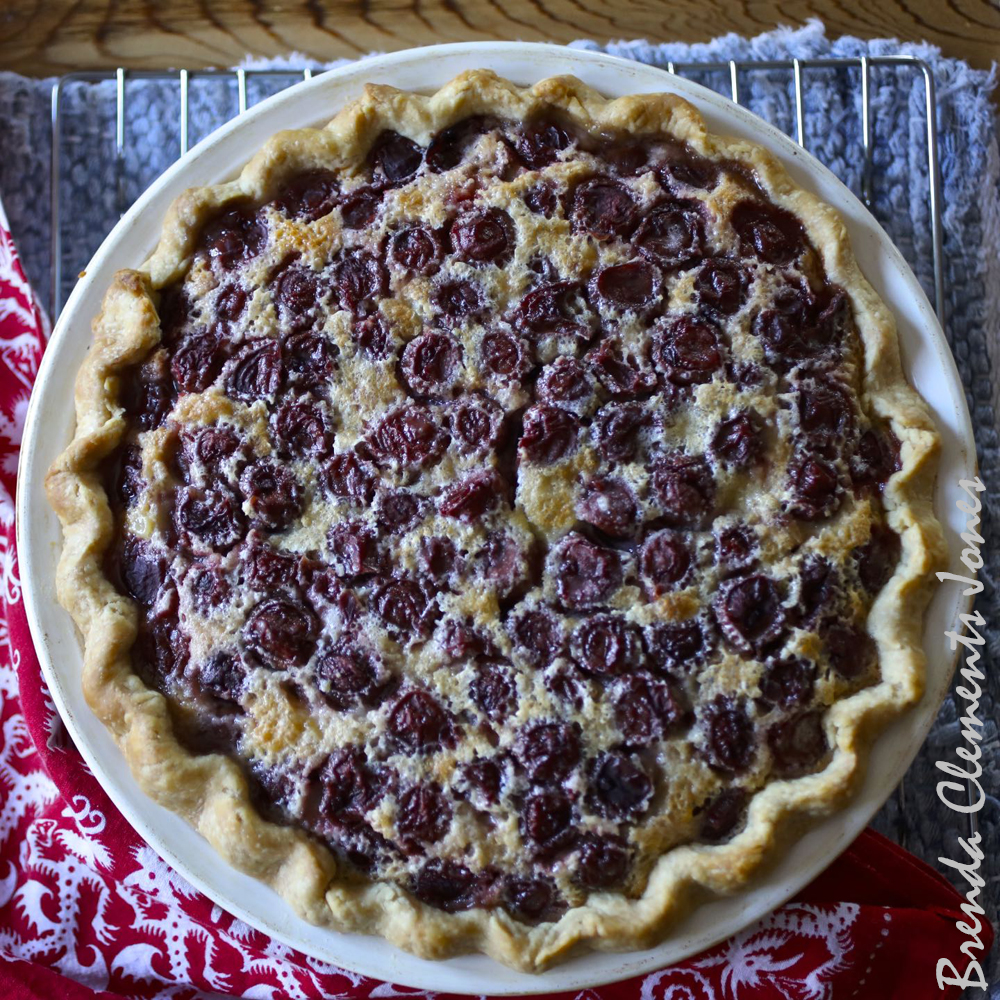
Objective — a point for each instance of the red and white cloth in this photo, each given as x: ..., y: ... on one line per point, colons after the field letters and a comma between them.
x: 87, y: 909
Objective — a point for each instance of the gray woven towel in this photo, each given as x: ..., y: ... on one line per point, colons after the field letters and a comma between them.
x: 970, y: 170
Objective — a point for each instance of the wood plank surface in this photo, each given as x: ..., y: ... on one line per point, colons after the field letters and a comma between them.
x: 46, y: 37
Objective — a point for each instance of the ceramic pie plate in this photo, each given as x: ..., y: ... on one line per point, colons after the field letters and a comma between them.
x: 928, y: 365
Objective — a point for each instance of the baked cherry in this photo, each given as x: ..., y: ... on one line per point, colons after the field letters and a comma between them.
x: 682, y: 165
x: 148, y: 398
x: 767, y: 232
x: 472, y: 497
x: 265, y: 568
x: 360, y: 280
x: 448, y: 147
x: 296, y: 291
x: 161, y: 651
x: 493, y: 690
x: 197, y: 361
x: 678, y: 647
x: 565, y: 383
x: 210, y: 518
x: 606, y: 645
x: 531, y: 899
x: 484, y: 779
x: 208, y: 586
x: 620, y: 372
x: 209, y: 448
x: 684, y: 487
x: 603, y: 861
x: 673, y: 235
x: 349, y: 675
x: 749, y: 611
x: 417, y: 250
x: 459, y: 299
x: 818, y: 585
x: 797, y: 744
x: 348, y: 476
x: 824, y: 411
x: 504, y: 355
x: 437, y: 558
x: 432, y: 363
x: 554, y: 309
x: 448, y: 885
x: 876, y: 560
x: 547, y: 822
x: 404, y: 608
x: 398, y: 512
x: 735, y: 549
x: 632, y: 287
x: 359, y: 208
x: 349, y: 785
x: 815, y: 487
x: 664, y: 562
x: 143, y: 570
x: 235, y: 236
x: 618, y: 787
x: 222, y: 676
x: 738, y: 441
x: 687, y: 350
x: 283, y: 634
x: 126, y: 475
x: 548, y: 751
x: 408, y: 437
x: 394, y: 159
x: 850, y: 650
x: 542, y: 199
x: 608, y: 503
x: 254, y: 371
x: 539, y: 143
x: 537, y: 636
x: 274, y: 494
x: 373, y: 337
x: 722, y: 286
x: 604, y: 208
x: 505, y: 563
x: 309, y: 361
x: 585, y: 574
x: 646, y: 709
x: 484, y: 236
x: 721, y: 814
x: 418, y: 723
x: 728, y: 734
x: 615, y: 430
x: 423, y: 813
x: 549, y: 434
x: 875, y: 459
x: 787, y: 682
x: 353, y: 548
x: 309, y: 196
x: 476, y: 424
x: 300, y: 430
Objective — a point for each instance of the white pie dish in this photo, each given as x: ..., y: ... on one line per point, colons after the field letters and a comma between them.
x: 926, y: 361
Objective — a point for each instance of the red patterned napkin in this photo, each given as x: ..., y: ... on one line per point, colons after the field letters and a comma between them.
x: 87, y: 909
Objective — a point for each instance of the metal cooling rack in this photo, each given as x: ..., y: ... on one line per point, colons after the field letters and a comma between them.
x: 725, y: 77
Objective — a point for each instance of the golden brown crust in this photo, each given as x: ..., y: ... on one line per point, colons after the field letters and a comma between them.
x: 210, y: 792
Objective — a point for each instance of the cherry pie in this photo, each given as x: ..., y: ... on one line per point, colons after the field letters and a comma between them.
x: 496, y: 512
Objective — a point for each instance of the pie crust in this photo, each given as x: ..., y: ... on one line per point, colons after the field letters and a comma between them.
x: 210, y: 790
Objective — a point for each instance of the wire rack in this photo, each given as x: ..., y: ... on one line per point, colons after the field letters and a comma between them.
x: 247, y: 83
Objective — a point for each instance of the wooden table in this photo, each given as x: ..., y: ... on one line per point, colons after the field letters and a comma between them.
x: 46, y: 37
